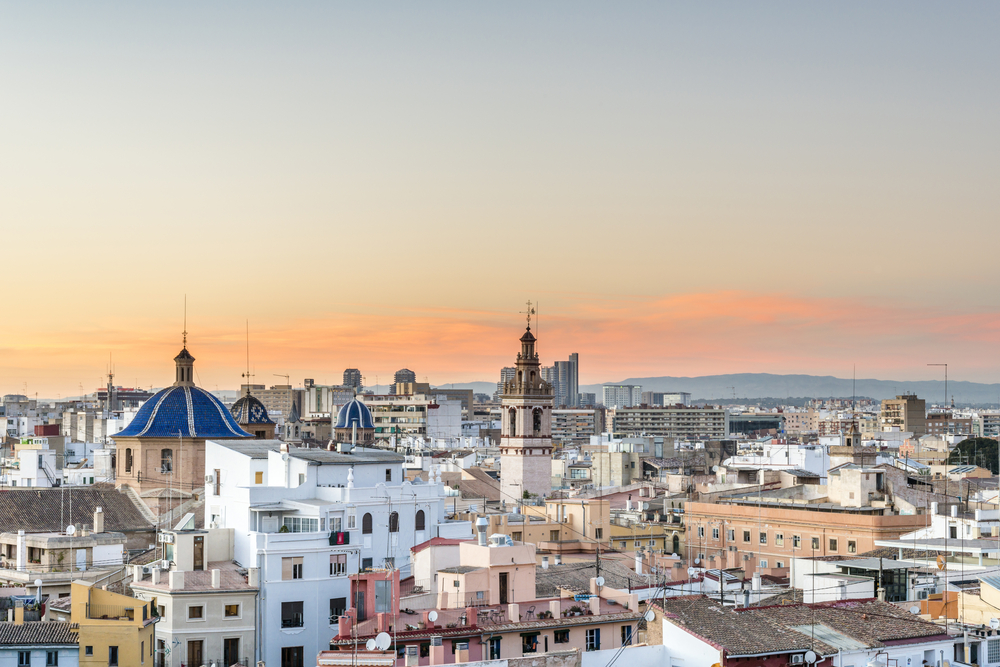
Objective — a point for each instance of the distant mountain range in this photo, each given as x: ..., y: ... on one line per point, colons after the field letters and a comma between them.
x: 767, y: 385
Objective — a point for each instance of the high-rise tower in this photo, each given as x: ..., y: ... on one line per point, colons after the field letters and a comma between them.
x: 526, y: 427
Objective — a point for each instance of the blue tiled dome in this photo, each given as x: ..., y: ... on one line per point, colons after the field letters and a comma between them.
x: 248, y: 410
x: 353, y: 413
x: 188, y: 410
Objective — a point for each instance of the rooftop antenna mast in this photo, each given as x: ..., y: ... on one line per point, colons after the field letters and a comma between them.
x: 944, y: 406
x: 248, y: 376
x: 184, y: 334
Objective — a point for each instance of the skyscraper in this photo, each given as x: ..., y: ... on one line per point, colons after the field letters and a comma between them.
x: 567, y: 381
x: 352, y: 378
x: 507, y: 373
x: 622, y: 395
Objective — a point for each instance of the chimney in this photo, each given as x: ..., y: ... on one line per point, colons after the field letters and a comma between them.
x: 756, y: 582
x: 638, y: 561
x: 99, y: 520
x: 253, y: 577
x: 22, y: 552
x: 176, y: 580
x: 934, y: 508
x: 216, y: 578
x: 954, y: 511
x: 437, y: 650
x: 156, y: 575
x: 628, y: 503
x: 481, y: 524
x: 412, y: 656
x: 545, y: 562
x: 284, y: 448
x: 462, y: 652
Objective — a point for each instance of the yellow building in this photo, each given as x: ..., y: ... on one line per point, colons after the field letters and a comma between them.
x: 114, y: 629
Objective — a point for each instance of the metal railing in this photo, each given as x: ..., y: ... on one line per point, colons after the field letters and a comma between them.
x: 220, y: 662
x: 110, y: 612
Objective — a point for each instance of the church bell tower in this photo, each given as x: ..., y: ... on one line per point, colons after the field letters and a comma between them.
x: 526, y: 427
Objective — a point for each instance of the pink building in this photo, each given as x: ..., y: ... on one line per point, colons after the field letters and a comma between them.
x: 487, y: 609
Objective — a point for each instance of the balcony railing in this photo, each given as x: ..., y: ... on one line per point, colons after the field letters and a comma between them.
x: 292, y: 622
x: 110, y: 612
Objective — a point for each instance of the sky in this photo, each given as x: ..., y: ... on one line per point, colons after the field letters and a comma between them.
x: 682, y: 188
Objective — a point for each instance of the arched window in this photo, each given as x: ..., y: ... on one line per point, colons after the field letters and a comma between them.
x: 394, y: 522
x: 513, y: 422
x: 166, y: 461
x: 677, y: 544
x: 128, y: 459
x: 418, y: 520
x: 536, y: 420
x: 366, y: 524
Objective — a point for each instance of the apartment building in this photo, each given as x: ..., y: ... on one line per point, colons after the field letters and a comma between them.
x: 674, y: 422
x: 575, y: 426
x: 906, y: 412
x: 419, y: 415
x: 621, y: 395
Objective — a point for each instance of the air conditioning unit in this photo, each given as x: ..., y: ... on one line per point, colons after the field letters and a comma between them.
x: 797, y: 659
x: 146, y: 569
x: 209, y: 479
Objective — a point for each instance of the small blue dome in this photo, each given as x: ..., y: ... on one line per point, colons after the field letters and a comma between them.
x: 353, y: 413
x: 188, y: 410
x: 248, y: 410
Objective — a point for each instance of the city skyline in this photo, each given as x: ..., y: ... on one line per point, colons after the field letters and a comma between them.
x: 687, y: 190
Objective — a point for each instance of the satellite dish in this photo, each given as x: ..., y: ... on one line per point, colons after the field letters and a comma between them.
x: 691, y: 571
x: 697, y: 561
x: 382, y: 641
x: 370, y: 644
x: 432, y: 616
x: 810, y: 657
x: 915, y: 609
x: 649, y: 616
x: 70, y: 529
x: 599, y: 581
x: 284, y: 456
x: 994, y: 623
x: 715, y: 468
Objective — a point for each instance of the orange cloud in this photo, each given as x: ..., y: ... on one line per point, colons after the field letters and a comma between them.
x: 681, y: 334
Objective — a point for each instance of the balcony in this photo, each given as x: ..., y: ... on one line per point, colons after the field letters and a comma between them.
x: 110, y: 612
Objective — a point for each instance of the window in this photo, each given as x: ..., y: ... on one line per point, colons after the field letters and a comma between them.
x: 196, y: 613
x: 621, y: 544
x: 419, y: 520
x: 779, y: 565
x: 291, y: 614
x: 536, y: 420
x: 352, y: 521
x: 993, y: 650
x: 598, y: 533
x: 232, y: 611
x: 337, y: 608
x: 833, y: 544
x: 23, y: 658
x: 291, y: 656
x: 638, y: 543
x: 746, y: 535
x: 112, y: 656
x: 258, y: 477
x: 217, y: 479
x: 425, y: 649
x: 626, y: 635
x: 516, y: 536
x: 128, y: 459
x: 594, y: 639
x: 88, y: 650
x: 815, y: 543
x: 494, y: 648
x: 715, y: 534
x: 142, y: 653
x: 366, y: 524
x: 291, y: 568
x: 366, y: 564
x: 731, y: 535
x: 388, y: 474
x: 512, y: 421
x: 652, y: 543
x: 338, y: 565
x: 763, y: 538
x: 52, y: 658
x: 852, y: 547
x: 394, y: 522
x: 763, y: 564
x: 562, y: 636
x: 701, y: 531
x: 796, y: 542
x: 779, y: 539
x: 553, y: 535
x: 300, y: 524
x: 529, y: 642
x: 302, y: 479
x: 166, y: 461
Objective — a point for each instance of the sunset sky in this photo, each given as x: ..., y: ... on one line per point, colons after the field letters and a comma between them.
x: 687, y: 189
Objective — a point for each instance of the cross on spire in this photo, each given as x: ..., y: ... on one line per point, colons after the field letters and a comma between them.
x: 184, y: 334
x: 248, y: 376
x: 529, y: 312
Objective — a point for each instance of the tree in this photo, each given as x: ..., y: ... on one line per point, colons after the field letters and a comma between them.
x: 975, y: 451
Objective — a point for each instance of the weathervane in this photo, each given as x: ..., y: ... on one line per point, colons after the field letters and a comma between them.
x: 529, y: 313
x: 248, y: 375
x: 184, y: 334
